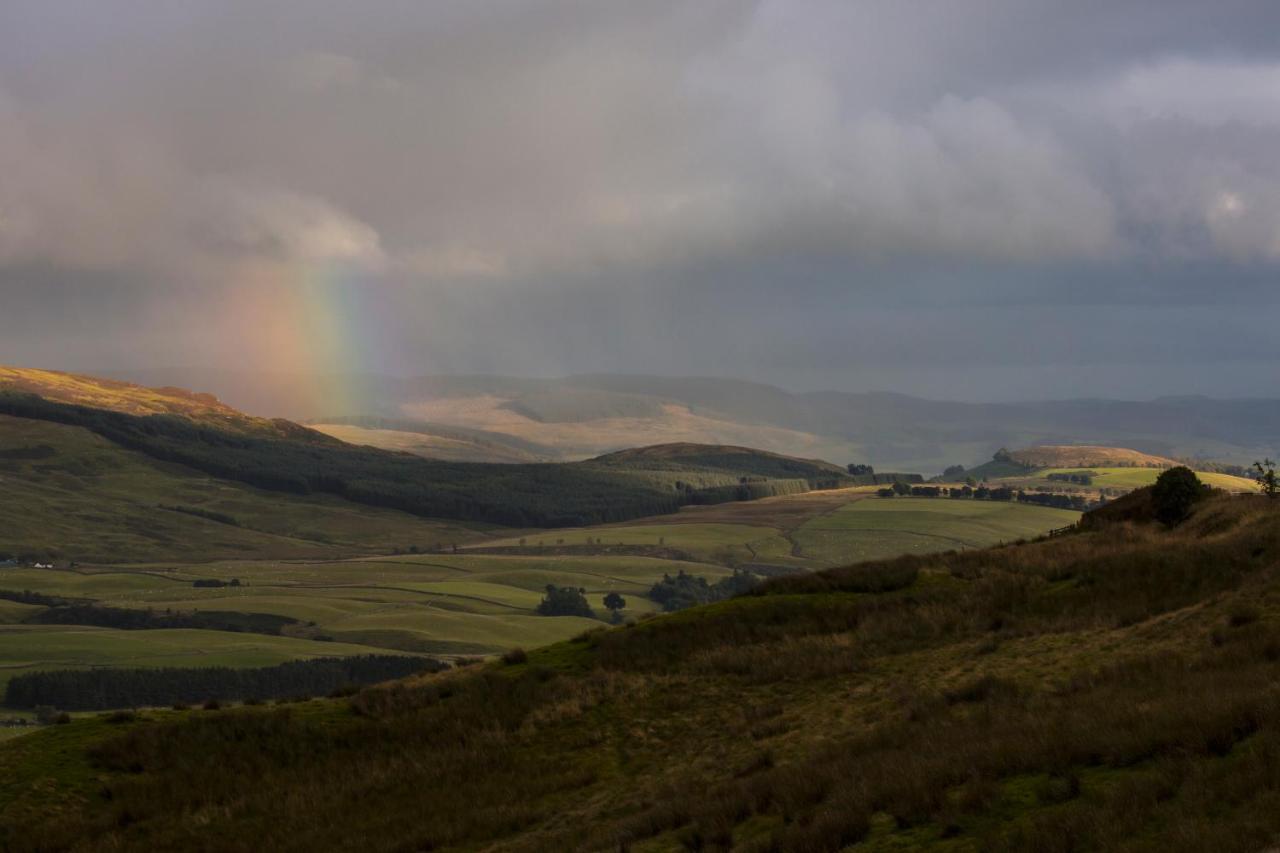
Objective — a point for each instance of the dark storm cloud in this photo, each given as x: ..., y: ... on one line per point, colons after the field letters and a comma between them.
x: 714, y: 187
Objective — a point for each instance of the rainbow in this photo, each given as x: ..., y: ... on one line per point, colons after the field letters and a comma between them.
x: 323, y: 324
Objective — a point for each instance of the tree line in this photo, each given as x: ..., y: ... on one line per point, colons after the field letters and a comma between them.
x: 138, y: 619
x: 686, y: 590
x: 984, y: 493
x: 106, y: 688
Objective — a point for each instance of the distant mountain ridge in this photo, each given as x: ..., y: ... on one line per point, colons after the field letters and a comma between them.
x: 578, y: 417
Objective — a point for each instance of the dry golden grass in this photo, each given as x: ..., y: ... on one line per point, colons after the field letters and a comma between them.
x: 110, y: 394
x: 1088, y: 455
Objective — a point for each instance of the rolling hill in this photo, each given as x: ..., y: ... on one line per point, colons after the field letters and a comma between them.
x: 1088, y: 456
x: 277, y: 455
x: 1024, y: 461
x: 67, y: 493
x: 1112, y: 468
x: 433, y: 441
x: 127, y: 398
x: 1110, y: 689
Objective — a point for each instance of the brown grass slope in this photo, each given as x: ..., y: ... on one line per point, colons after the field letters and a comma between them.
x: 113, y: 395
x: 1111, y: 690
x: 1087, y: 456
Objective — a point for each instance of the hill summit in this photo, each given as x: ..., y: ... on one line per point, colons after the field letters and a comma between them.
x: 128, y: 398
x: 1087, y: 456
x: 112, y: 394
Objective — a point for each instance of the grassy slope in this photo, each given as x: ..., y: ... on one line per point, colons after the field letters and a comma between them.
x: 86, y: 499
x: 1136, y: 478
x: 1084, y: 456
x: 129, y: 398
x: 89, y: 500
x: 883, y: 527
x: 1113, y: 690
x: 818, y: 531
x: 440, y: 604
x: 283, y: 456
x: 452, y: 448
x: 111, y: 394
x: 26, y: 648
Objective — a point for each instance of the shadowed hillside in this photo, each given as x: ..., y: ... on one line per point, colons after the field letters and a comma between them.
x: 1114, y: 689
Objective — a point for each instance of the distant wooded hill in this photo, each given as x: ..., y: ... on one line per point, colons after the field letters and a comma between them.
x: 582, y: 416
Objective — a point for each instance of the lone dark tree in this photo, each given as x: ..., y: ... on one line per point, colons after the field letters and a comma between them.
x: 1174, y: 493
x: 614, y: 602
x: 1264, y: 474
x: 565, y: 601
x: 901, y: 488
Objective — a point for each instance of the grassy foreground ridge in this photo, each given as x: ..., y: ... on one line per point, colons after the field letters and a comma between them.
x: 1112, y: 689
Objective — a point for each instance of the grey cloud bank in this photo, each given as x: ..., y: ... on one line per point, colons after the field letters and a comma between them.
x: 1009, y: 198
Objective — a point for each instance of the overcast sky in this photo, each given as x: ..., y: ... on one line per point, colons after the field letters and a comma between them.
x: 985, y: 199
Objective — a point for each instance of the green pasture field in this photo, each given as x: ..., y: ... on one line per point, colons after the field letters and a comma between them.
x: 459, y: 604
x: 27, y: 648
x: 720, y: 543
x: 1136, y: 478
x: 477, y: 601
x: 885, y: 527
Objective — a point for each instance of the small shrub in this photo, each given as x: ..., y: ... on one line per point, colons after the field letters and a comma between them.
x: 515, y: 656
x: 118, y: 717
x: 980, y: 690
x: 988, y: 645
x: 181, y: 706
x: 1243, y: 614
x: 62, y: 719
x: 212, y: 705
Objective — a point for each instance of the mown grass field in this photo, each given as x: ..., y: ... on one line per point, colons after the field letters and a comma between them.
x: 26, y: 648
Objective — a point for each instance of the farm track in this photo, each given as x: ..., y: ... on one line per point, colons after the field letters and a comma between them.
x: 896, y: 531
x: 797, y: 550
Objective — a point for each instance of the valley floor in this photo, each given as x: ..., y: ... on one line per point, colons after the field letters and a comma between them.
x: 481, y: 599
